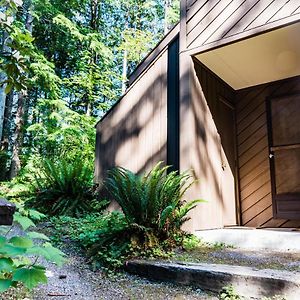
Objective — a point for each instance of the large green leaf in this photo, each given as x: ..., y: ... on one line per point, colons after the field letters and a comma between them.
x: 5, y: 284
x: 54, y: 254
x: 23, y: 221
x: 22, y: 242
x: 6, y: 264
x: 12, y: 250
x: 48, y: 252
x: 30, y: 277
x: 37, y: 235
x: 2, y: 240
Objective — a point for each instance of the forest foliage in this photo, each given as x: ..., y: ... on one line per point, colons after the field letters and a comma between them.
x: 63, y: 64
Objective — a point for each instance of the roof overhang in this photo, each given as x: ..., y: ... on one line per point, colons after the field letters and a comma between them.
x: 264, y: 58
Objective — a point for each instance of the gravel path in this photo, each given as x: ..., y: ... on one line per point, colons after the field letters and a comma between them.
x: 75, y: 281
x: 81, y: 283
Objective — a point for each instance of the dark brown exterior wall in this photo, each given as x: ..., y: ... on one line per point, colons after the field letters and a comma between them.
x: 254, y: 170
x: 134, y: 133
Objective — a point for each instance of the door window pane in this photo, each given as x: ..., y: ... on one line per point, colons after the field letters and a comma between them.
x: 287, y: 171
x: 286, y: 120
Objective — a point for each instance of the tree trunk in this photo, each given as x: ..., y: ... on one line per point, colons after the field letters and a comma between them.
x: 15, y: 165
x: 124, y: 71
x: 6, y: 133
x: 4, y: 48
x: 167, y: 8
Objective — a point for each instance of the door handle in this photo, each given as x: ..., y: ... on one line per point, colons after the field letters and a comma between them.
x: 271, y: 155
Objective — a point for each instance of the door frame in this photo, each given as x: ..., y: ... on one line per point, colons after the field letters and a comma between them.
x: 276, y: 214
x: 238, y: 214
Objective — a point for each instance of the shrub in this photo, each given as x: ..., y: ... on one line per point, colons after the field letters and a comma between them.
x: 153, y: 201
x: 103, y: 237
x: 149, y: 226
x: 64, y: 188
x: 19, y: 255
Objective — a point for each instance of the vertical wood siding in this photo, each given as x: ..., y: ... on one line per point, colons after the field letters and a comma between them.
x: 253, y: 152
x: 213, y: 20
x: 204, y: 150
x: 134, y: 133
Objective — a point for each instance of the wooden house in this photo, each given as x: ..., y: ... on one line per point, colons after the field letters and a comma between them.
x: 220, y: 96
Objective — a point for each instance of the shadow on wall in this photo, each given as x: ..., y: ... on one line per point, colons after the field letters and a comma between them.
x: 134, y: 134
x: 203, y: 148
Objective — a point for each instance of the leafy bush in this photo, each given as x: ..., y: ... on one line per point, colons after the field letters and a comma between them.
x: 103, y: 237
x: 149, y: 226
x: 153, y: 201
x: 64, y: 188
x: 19, y: 255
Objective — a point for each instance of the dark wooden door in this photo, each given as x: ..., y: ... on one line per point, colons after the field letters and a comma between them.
x: 284, y: 142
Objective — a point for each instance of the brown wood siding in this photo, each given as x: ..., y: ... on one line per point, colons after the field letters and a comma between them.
x: 210, y: 21
x: 134, y: 133
x: 206, y: 145
x: 253, y: 153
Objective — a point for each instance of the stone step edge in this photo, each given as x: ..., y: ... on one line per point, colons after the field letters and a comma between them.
x: 246, y: 281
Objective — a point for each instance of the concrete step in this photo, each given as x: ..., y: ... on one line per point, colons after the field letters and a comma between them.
x: 254, y: 239
x: 246, y: 281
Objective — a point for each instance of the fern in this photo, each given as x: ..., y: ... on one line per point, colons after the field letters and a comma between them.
x: 64, y: 188
x: 153, y: 200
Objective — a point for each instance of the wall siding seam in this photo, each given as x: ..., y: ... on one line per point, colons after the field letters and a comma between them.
x: 251, y: 217
x: 295, y: 12
x: 257, y: 16
x: 251, y: 118
x: 278, y: 10
x: 269, y: 220
x: 273, y: 7
x: 257, y: 189
x: 266, y: 170
x: 257, y: 163
x: 246, y: 193
x: 206, y: 41
x: 253, y: 156
x: 193, y: 14
x: 259, y: 225
x: 206, y: 25
x: 241, y: 110
x: 275, y: 86
x: 242, y: 141
x: 242, y: 152
x: 226, y: 33
x: 287, y: 10
x: 250, y: 124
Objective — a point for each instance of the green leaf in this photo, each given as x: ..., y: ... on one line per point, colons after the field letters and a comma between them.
x: 12, y: 250
x: 2, y: 240
x: 22, y: 242
x: 37, y: 235
x: 54, y: 254
x: 5, y: 284
x: 23, y: 221
x: 6, y: 264
x: 34, y: 214
x: 30, y: 277
x: 49, y: 253
x: 8, y: 88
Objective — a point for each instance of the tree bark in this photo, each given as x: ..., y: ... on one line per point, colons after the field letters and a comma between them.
x: 167, y: 8
x: 6, y: 133
x: 15, y: 164
x: 4, y: 48
x: 124, y: 71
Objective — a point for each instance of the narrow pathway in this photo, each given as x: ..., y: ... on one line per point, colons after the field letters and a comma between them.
x: 75, y: 281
